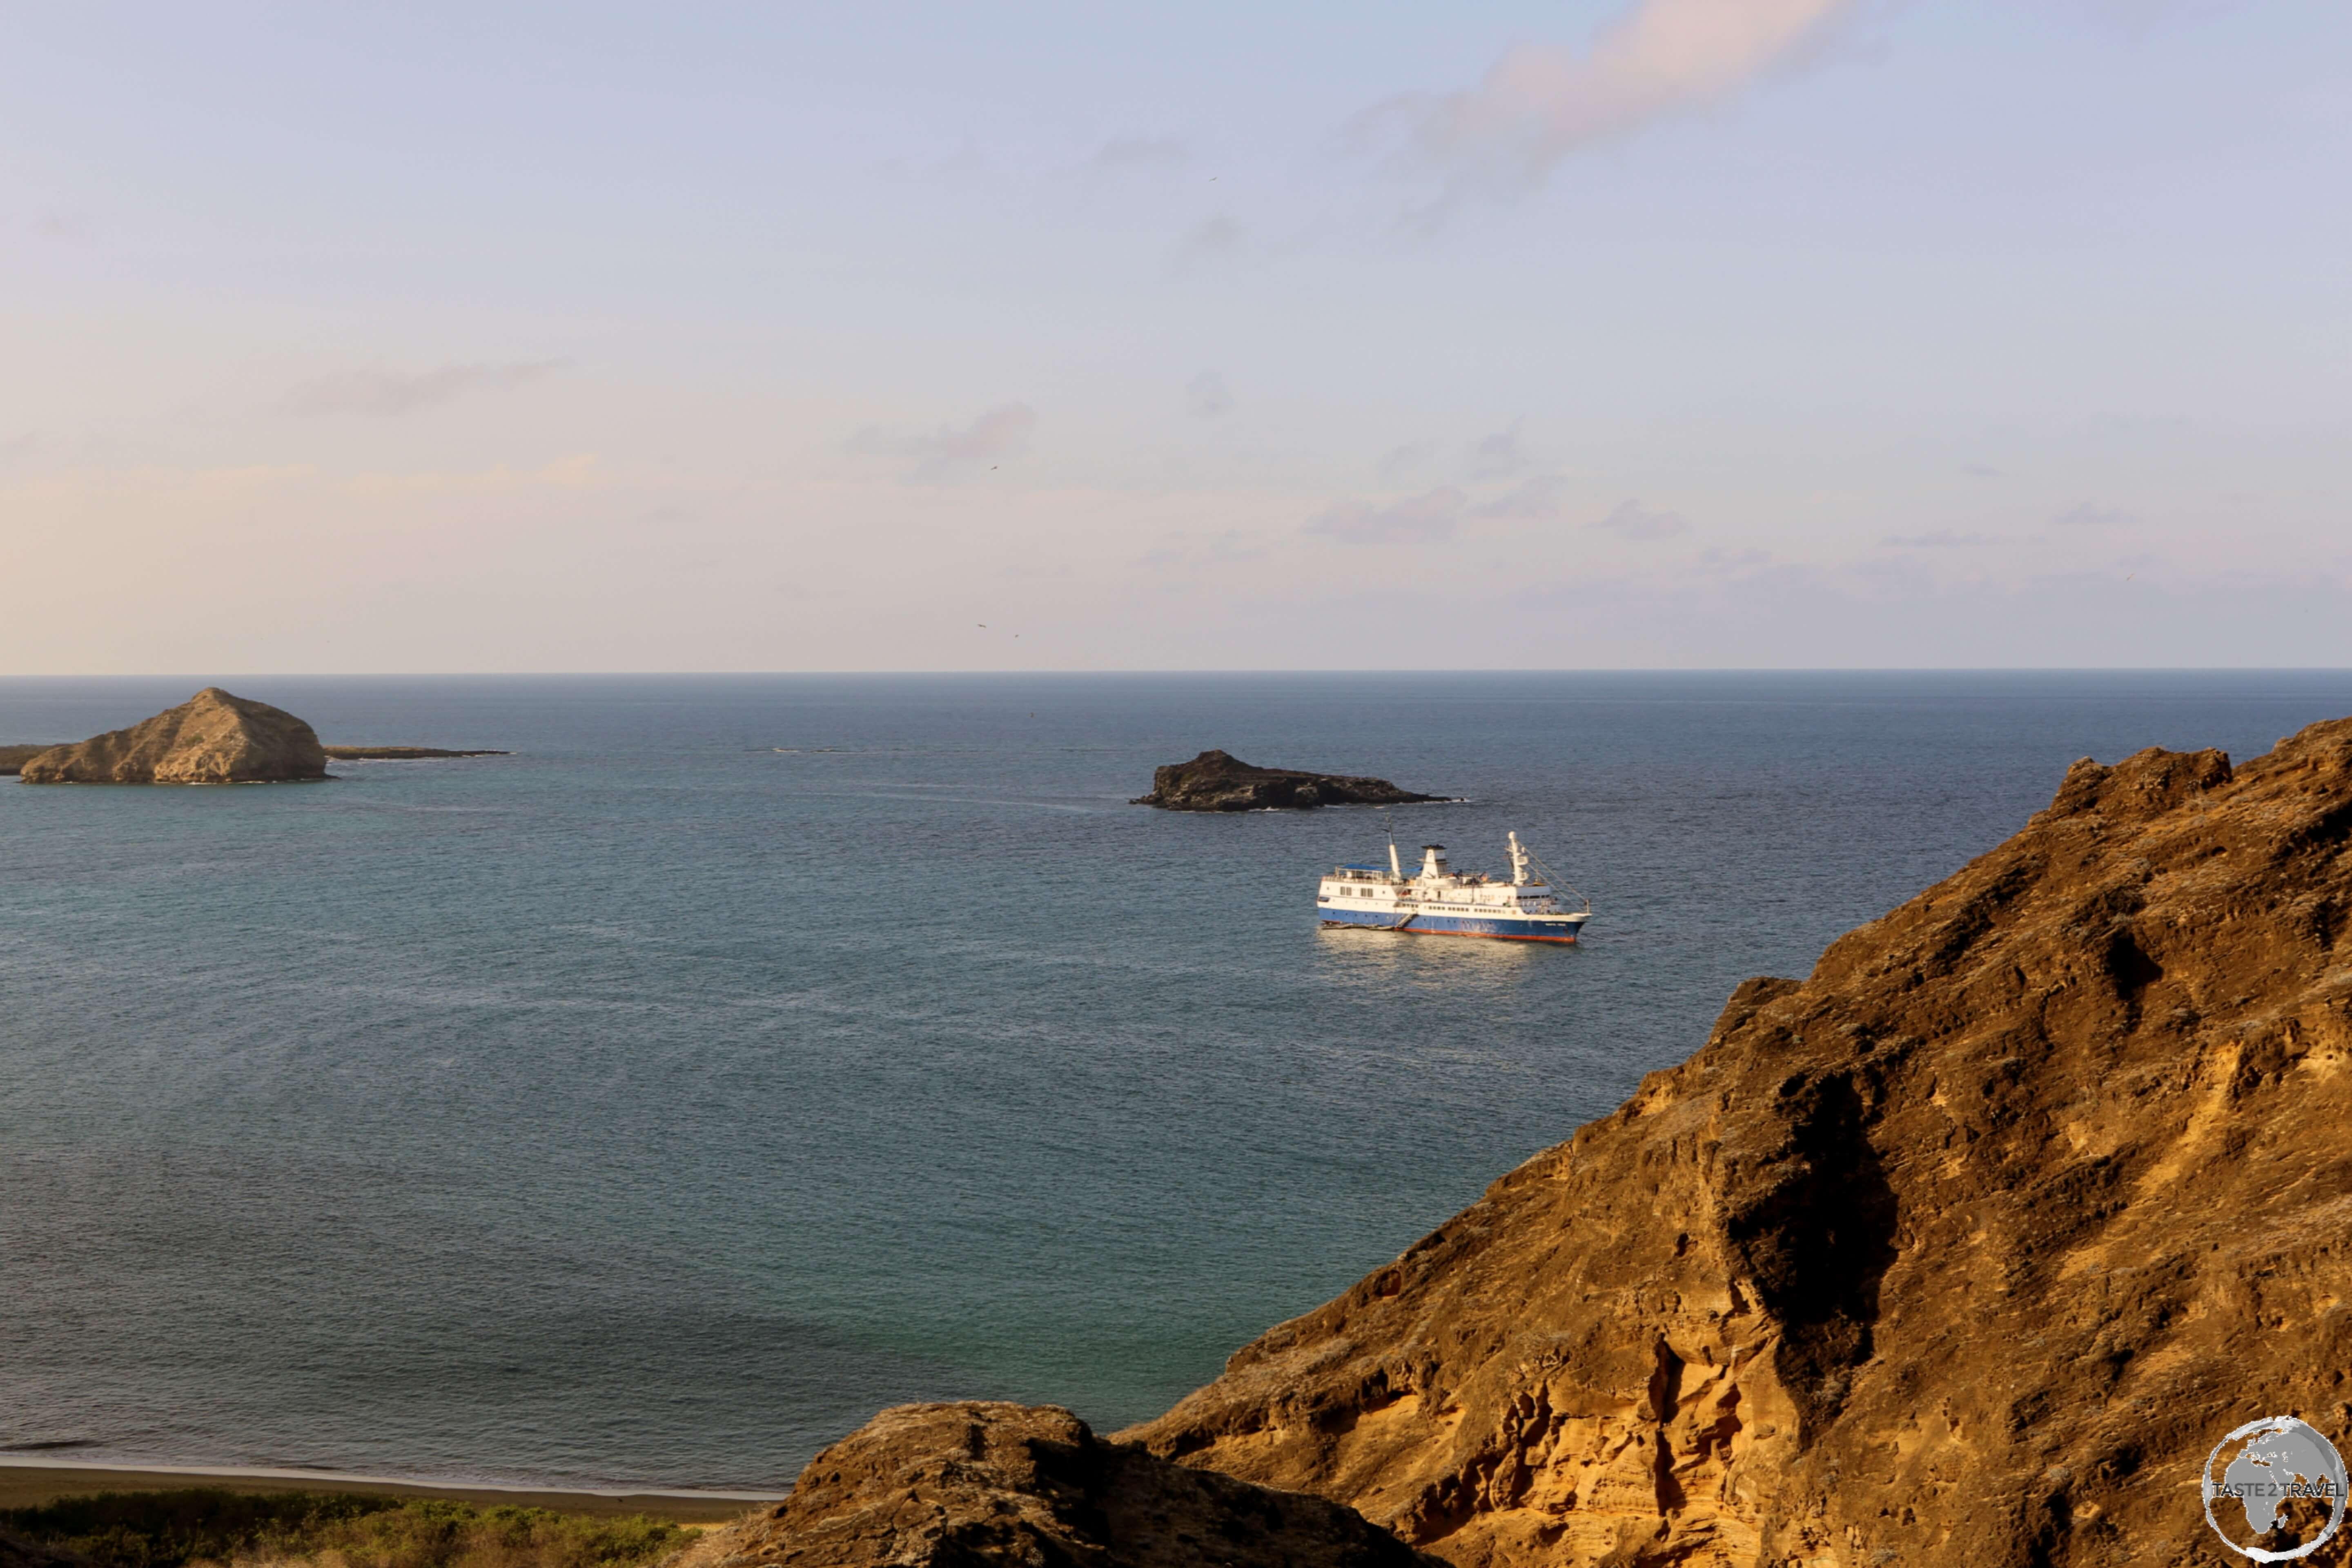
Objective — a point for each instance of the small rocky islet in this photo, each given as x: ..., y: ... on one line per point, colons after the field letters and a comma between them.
x: 215, y: 737
x: 1219, y: 781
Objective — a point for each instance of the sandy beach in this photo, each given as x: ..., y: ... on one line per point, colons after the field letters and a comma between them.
x: 30, y: 1483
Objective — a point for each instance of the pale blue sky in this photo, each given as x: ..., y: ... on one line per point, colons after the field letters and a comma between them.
x: 1628, y: 332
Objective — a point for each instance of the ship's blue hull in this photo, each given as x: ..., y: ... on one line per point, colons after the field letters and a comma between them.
x: 1502, y: 926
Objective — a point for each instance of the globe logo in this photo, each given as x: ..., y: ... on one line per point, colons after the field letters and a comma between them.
x: 2274, y: 1490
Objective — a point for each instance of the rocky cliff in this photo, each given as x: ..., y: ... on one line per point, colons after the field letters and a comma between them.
x: 212, y: 738
x: 955, y: 1486
x: 12, y: 758
x: 1967, y: 1248
x: 1217, y: 780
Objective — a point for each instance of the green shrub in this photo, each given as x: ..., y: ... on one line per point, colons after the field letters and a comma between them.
x: 335, y: 1530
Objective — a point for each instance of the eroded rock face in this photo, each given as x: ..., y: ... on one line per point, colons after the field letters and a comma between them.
x: 212, y: 738
x: 974, y: 1483
x: 1216, y: 781
x: 1966, y: 1249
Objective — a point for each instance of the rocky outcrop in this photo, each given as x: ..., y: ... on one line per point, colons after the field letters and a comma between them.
x: 947, y: 1486
x: 1215, y: 781
x: 212, y: 738
x: 12, y: 758
x: 1968, y: 1248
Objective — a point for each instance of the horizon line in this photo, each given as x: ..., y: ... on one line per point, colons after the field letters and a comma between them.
x: 1385, y: 672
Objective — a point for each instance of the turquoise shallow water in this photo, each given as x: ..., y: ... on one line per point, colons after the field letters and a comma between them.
x: 652, y: 1105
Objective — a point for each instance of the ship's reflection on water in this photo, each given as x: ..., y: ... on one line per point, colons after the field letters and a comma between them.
x: 1412, y: 959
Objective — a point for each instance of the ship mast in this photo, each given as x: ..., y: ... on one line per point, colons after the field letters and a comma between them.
x: 1518, y: 863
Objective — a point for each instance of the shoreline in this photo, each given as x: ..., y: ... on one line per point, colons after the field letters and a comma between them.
x: 29, y: 1482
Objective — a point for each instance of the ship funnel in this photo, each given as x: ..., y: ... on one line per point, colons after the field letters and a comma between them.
x: 1432, y: 859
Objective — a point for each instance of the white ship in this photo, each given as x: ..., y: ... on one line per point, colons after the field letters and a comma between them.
x: 1441, y: 901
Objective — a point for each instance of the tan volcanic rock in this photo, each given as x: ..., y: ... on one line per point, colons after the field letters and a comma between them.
x: 212, y: 738
x: 1967, y: 1249
x: 972, y: 1483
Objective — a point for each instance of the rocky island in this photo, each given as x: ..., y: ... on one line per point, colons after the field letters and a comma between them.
x: 1217, y: 780
x: 212, y: 738
x: 215, y: 737
x: 1965, y: 1249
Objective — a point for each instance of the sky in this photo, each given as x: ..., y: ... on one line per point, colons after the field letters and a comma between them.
x: 913, y: 336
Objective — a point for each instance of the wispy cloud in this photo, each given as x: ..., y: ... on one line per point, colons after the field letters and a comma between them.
x: 1540, y: 498
x: 1936, y: 539
x: 1139, y: 154
x: 1542, y: 102
x: 1632, y: 520
x: 952, y: 450
x: 73, y: 228
x: 1495, y: 457
x: 1434, y: 515
x: 1206, y: 397
x: 2090, y: 515
x: 1211, y: 239
x: 1398, y: 465
x: 2141, y: 17
x: 392, y: 392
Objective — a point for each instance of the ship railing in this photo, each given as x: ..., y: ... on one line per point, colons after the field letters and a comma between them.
x: 1555, y: 884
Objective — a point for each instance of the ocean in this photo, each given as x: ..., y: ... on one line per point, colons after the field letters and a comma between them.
x: 744, y: 1054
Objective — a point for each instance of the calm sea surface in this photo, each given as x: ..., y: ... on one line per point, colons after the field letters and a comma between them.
x: 746, y: 1054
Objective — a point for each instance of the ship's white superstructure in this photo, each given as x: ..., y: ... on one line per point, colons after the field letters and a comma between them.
x: 1438, y: 901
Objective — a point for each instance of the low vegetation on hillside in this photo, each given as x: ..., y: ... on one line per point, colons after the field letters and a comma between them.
x: 205, y: 1526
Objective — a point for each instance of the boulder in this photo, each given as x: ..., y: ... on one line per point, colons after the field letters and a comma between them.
x: 212, y: 738
x: 960, y: 1484
x: 1968, y: 1248
x: 1217, y: 780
